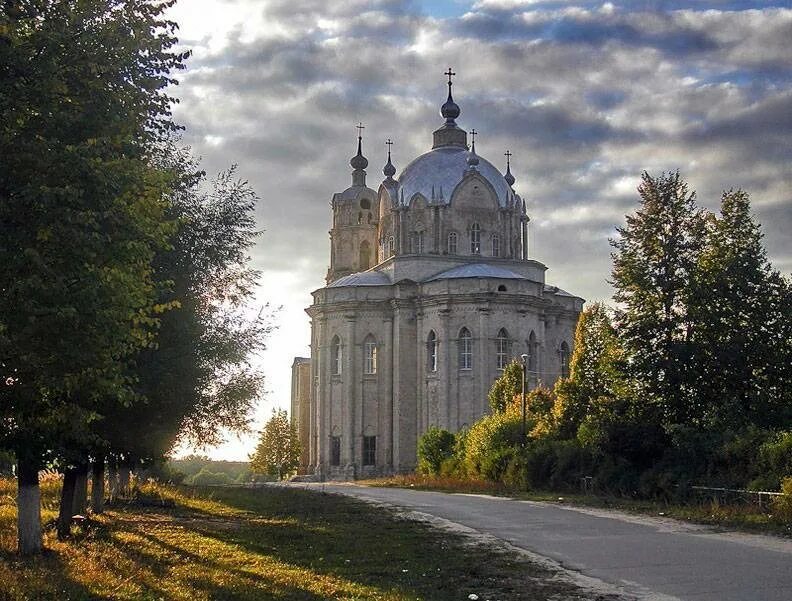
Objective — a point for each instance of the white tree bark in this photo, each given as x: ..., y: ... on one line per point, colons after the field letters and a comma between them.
x: 29, y: 518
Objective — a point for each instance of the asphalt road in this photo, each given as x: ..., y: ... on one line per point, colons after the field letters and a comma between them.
x: 651, y: 558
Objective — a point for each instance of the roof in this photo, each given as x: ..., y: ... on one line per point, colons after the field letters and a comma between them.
x: 362, y: 278
x: 477, y: 270
x: 436, y: 174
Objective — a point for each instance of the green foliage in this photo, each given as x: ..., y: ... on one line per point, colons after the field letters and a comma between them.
x: 209, y: 478
x: 595, y: 370
x: 278, y: 450
x: 434, y: 447
x: 783, y: 505
x: 488, y: 439
x: 506, y: 387
x: 774, y: 462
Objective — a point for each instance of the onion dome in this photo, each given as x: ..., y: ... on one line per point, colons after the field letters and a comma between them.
x: 389, y: 170
x: 473, y: 160
x: 508, y: 176
x: 450, y: 110
x: 359, y: 162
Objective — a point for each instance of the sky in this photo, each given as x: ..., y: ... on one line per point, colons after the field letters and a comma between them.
x: 586, y: 95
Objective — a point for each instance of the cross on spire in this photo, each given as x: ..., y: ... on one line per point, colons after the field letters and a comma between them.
x: 388, y: 143
x: 450, y: 74
x: 360, y: 127
x: 473, y: 133
x: 508, y: 156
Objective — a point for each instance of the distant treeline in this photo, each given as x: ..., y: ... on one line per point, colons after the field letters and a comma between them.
x: 199, y: 470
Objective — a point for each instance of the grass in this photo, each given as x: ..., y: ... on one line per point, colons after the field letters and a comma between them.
x: 744, y: 517
x: 270, y: 543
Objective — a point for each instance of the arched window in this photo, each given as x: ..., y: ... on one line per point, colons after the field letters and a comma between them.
x: 360, y: 218
x: 365, y: 256
x: 475, y: 239
x: 564, y: 352
x: 417, y: 242
x: 391, y: 246
x: 502, y: 344
x: 533, y: 356
x: 365, y: 203
x: 369, y: 217
x: 495, y: 245
x: 465, y: 349
x: 369, y: 355
x: 335, y: 356
x: 452, y: 243
x: 431, y: 352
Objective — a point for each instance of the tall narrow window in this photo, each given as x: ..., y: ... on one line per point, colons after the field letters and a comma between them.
x: 335, y: 450
x: 369, y: 450
x: 533, y: 356
x: 370, y: 356
x: 335, y: 356
x: 365, y: 256
x: 465, y: 349
x: 564, y: 352
x: 475, y: 239
x: 391, y: 246
x: 452, y: 243
x: 417, y: 242
x: 431, y: 352
x: 495, y: 245
x: 502, y: 349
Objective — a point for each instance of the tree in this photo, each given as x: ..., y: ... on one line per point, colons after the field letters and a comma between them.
x: 435, y: 446
x: 656, y: 253
x: 278, y: 450
x: 506, y: 387
x: 740, y: 322
x: 595, y: 370
x: 82, y: 101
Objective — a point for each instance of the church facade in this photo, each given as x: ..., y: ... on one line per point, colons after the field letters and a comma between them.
x: 429, y: 295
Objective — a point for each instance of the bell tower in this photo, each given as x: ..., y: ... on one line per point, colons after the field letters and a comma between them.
x: 353, y: 237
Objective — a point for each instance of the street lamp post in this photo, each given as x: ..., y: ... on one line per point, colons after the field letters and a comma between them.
x: 524, y: 368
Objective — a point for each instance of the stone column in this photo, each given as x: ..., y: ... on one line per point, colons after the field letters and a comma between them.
x: 316, y: 397
x: 350, y: 359
x: 385, y: 417
x: 420, y: 372
x: 445, y: 348
x: 485, y: 355
x: 524, y: 225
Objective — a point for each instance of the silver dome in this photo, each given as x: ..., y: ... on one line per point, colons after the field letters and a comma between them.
x: 437, y: 173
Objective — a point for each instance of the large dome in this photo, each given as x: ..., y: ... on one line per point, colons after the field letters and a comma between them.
x: 436, y: 174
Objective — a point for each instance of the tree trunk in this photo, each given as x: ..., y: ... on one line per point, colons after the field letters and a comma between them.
x: 123, y: 479
x: 66, y: 510
x: 98, y: 485
x: 81, y: 491
x: 112, y: 478
x: 29, y: 539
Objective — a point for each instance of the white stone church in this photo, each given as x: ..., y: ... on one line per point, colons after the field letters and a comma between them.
x: 430, y: 294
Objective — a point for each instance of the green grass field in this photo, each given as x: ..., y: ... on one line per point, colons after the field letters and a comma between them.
x: 268, y: 543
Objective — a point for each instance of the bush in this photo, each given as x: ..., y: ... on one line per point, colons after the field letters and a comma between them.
x: 486, y: 440
x: 207, y: 478
x: 434, y: 447
x: 782, y: 506
x: 774, y: 462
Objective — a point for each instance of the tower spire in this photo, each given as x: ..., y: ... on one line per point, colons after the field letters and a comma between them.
x: 389, y: 170
x: 508, y: 175
x: 359, y: 162
x: 450, y: 110
x: 473, y: 159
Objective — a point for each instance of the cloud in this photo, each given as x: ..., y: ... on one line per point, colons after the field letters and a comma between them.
x: 585, y: 94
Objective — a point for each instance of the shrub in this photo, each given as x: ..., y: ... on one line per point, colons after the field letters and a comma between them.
x: 486, y: 440
x: 207, y: 478
x: 434, y: 447
x: 782, y: 506
x: 775, y: 461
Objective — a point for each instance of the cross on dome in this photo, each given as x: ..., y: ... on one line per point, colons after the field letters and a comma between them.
x: 450, y: 110
x: 389, y: 170
x: 508, y: 175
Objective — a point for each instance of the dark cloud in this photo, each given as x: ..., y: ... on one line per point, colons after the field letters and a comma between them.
x: 585, y: 98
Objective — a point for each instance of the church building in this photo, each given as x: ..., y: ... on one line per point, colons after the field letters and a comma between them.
x: 429, y: 295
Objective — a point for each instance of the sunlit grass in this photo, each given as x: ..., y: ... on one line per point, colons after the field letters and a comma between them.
x: 269, y: 543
